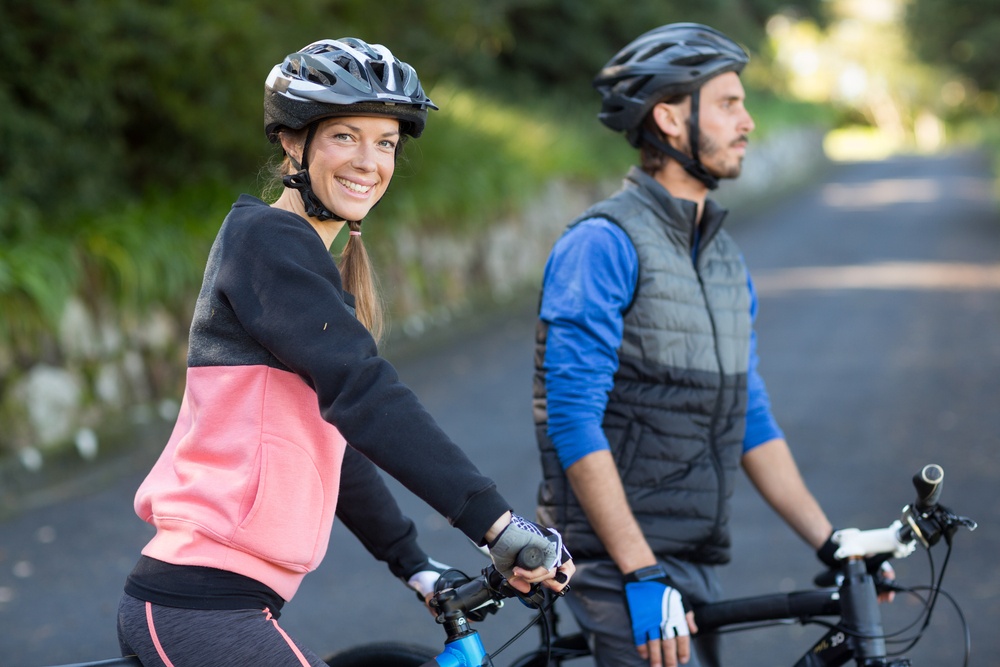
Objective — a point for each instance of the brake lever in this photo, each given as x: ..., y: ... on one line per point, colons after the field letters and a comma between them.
x: 535, y: 598
x: 949, y: 522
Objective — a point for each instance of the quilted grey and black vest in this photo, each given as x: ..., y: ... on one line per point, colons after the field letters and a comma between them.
x: 676, y: 415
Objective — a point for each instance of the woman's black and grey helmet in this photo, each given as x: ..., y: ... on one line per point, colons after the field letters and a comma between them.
x: 343, y: 77
x: 339, y: 77
x: 671, y: 60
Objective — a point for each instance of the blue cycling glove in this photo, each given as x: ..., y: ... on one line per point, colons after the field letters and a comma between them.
x: 655, y: 607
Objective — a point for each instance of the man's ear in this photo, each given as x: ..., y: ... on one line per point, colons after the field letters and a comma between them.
x: 670, y: 118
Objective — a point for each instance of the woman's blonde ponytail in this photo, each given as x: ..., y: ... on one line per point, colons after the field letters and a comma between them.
x: 360, y: 280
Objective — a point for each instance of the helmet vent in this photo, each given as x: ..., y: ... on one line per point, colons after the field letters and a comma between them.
x: 351, y: 65
x: 652, y: 53
x: 317, y: 76
x: 694, y: 59
x: 636, y: 86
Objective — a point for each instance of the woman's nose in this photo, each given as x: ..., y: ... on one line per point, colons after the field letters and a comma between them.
x: 365, y: 158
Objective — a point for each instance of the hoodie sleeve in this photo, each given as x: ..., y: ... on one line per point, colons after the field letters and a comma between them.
x: 370, y: 512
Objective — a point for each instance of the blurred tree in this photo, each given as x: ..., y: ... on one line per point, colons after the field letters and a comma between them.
x: 110, y: 100
x: 860, y: 63
x: 959, y: 35
x: 104, y: 101
x: 563, y: 43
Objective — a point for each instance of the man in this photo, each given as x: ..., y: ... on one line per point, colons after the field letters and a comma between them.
x: 647, y: 397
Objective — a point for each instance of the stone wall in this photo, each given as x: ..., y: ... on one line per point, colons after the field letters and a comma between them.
x: 466, y: 272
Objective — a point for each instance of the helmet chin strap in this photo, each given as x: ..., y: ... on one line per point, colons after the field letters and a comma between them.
x: 691, y: 163
x: 303, y: 183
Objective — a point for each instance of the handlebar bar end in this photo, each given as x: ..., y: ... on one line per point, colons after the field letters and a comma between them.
x: 927, y: 483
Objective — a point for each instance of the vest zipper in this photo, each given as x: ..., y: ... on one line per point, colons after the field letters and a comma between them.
x: 713, y: 440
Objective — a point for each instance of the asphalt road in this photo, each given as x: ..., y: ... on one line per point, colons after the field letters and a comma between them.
x: 880, y: 341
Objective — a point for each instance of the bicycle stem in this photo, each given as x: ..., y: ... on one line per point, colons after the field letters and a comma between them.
x: 860, y: 614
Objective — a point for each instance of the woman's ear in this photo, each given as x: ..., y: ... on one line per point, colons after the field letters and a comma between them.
x: 670, y: 118
x: 291, y: 143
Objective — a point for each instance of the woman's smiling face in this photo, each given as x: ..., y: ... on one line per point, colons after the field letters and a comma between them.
x: 351, y: 161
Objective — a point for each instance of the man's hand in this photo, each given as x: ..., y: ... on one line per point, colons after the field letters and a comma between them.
x: 878, y: 567
x: 660, y: 627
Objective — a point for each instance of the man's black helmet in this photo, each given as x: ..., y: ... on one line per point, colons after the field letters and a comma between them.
x: 343, y: 77
x: 674, y: 59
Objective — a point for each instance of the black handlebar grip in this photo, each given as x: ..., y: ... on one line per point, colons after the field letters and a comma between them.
x: 927, y: 482
x: 530, y: 557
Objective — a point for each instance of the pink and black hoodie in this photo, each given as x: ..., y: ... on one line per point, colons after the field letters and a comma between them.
x: 281, y: 380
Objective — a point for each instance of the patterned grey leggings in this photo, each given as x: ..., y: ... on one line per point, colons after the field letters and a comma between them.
x: 171, y: 637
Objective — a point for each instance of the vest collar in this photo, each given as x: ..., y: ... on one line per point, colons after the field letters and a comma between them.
x: 679, y: 213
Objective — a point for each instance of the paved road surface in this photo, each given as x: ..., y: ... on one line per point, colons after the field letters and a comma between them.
x: 880, y: 339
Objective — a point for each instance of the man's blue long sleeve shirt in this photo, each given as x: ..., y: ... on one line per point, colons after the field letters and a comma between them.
x: 589, y: 282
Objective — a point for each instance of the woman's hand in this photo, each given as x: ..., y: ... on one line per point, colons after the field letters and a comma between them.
x: 510, y: 534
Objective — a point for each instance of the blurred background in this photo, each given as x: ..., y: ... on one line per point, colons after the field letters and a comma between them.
x: 128, y: 127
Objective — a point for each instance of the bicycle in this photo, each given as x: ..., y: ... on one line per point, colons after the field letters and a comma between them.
x: 858, y: 635
x: 852, y: 596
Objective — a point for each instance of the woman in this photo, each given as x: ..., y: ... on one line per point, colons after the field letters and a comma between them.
x: 285, y: 390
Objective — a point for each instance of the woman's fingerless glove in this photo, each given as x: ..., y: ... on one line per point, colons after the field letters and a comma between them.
x: 521, y: 533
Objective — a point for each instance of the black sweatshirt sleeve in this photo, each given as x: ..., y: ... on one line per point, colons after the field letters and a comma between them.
x: 283, y: 286
x: 369, y: 511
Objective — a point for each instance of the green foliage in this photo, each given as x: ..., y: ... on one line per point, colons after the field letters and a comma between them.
x: 36, y: 279
x: 481, y: 157
x: 144, y: 254
x: 772, y: 113
x: 125, y: 124
x: 541, y: 47
x: 151, y: 251
x: 108, y: 99
x: 564, y: 43
x: 958, y: 35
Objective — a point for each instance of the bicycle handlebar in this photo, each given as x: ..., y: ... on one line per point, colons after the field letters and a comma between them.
x: 819, y: 602
x: 484, y: 594
x: 530, y: 557
x: 927, y: 482
x: 925, y: 521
